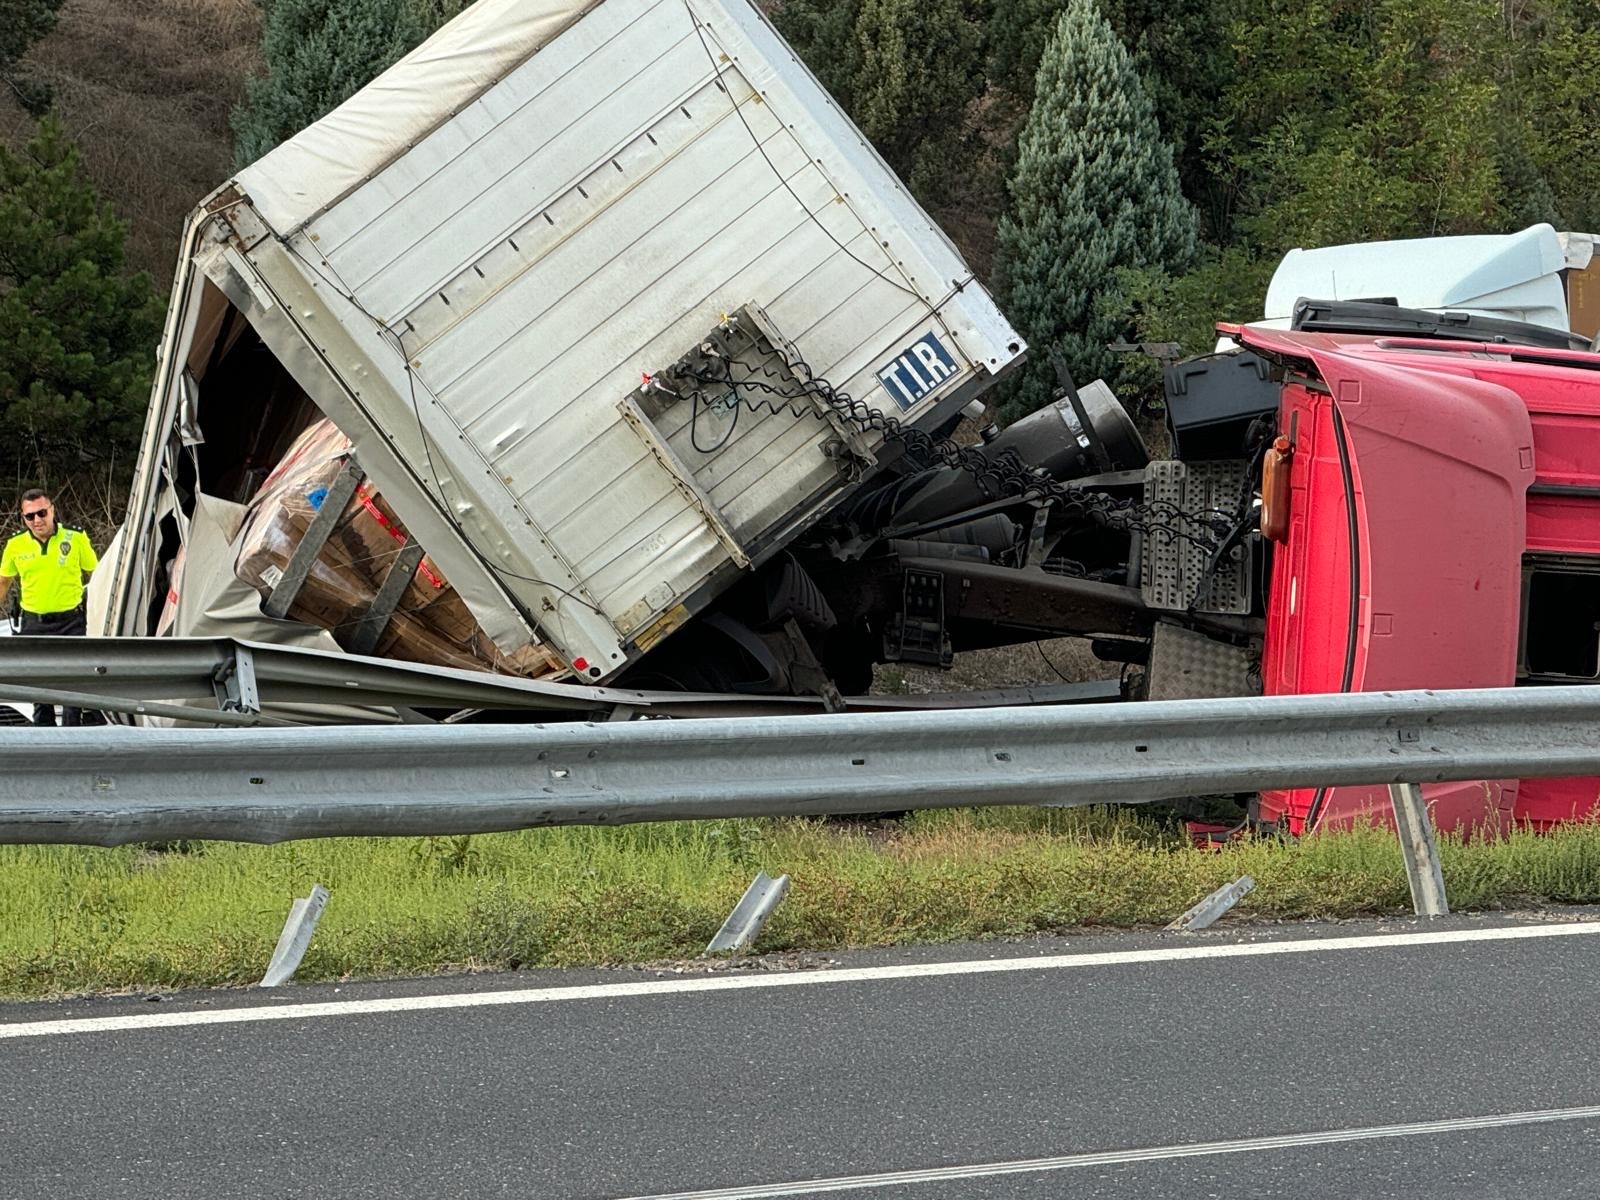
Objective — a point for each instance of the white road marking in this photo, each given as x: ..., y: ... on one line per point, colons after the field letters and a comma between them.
x: 730, y: 983
x: 1112, y: 1158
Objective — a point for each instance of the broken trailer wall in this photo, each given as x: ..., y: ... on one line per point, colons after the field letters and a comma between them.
x: 244, y: 471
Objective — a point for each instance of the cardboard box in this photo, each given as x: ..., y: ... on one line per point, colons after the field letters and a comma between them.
x: 1583, y: 299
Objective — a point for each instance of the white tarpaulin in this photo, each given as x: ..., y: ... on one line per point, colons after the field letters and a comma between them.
x: 379, y: 123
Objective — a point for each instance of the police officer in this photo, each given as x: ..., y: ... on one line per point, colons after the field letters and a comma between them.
x: 52, y: 562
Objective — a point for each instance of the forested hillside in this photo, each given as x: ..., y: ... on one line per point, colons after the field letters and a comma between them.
x: 1110, y: 167
x: 146, y: 88
x: 136, y: 97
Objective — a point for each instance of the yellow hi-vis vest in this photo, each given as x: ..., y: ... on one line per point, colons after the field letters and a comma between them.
x: 51, y: 574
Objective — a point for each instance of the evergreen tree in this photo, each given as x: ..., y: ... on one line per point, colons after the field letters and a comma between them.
x: 22, y: 23
x: 918, y: 65
x: 77, y: 334
x: 1177, y: 46
x: 319, y: 53
x: 1094, y: 190
x: 822, y: 33
x: 905, y: 70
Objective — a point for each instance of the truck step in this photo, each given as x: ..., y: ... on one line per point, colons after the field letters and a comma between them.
x: 1175, y: 564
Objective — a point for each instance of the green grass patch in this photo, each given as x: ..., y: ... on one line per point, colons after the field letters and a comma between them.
x: 76, y: 919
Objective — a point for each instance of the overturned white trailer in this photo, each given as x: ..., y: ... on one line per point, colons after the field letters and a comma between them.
x: 479, y: 267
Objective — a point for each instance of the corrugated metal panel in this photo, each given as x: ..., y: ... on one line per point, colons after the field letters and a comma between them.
x: 589, y: 218
x: 545, y: 125
x: 352, y: 145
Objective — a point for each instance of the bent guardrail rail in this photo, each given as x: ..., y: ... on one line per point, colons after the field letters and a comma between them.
x: 235, y: 681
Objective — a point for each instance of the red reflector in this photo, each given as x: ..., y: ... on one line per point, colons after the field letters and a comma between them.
x: 580, y: 664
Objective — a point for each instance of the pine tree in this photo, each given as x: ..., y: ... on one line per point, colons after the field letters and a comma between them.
x: 1094, y: 190
x: 319, y: 53
x: 77, y: 334
x: 822, y: 33
x: 918, y: 65
x: 1179, y: 47
x: 22, y: 23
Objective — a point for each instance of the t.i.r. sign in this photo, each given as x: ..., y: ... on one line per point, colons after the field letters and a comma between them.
x: 917, y: 370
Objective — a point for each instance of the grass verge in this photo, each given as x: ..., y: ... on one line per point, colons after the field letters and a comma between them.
x: 77, y: 919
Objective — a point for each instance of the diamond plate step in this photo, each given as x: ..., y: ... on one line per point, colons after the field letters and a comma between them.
x: 1185, y: 665
x: 1176, y: 548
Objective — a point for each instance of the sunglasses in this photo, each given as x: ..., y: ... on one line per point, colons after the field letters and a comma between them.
x: 36, y: 516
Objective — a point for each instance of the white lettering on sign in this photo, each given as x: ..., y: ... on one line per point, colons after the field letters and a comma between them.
x: 891, y: 375
x: 917, y: 371
x: 939, y: 369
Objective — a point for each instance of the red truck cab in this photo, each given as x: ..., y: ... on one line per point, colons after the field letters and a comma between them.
x: 1442, y: 531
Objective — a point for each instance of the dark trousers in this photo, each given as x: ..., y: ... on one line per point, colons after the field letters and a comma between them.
x: 62, y: 624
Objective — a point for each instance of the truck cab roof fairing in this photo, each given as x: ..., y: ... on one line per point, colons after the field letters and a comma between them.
x: 1513, y: 275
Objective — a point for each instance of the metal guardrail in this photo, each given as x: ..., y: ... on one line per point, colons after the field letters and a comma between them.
x: 238, y: 677
x: 116, y: 785
x: 146, y: 677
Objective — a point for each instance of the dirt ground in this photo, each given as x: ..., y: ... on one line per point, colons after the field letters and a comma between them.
x: 1054, y: 660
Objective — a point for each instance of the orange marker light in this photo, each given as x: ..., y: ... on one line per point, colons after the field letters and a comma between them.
x: 1275, y: 490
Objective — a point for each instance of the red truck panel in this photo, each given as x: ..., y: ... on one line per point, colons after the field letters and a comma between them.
x: 1440, y: 462
x: 1563, y: 518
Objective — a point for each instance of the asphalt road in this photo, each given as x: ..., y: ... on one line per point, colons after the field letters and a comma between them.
x: 1366, y: 1063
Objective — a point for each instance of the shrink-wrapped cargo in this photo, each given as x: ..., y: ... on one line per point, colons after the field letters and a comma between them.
x: 428, y: 622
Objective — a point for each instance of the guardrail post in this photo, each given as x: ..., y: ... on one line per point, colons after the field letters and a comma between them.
x: 235, y: 682
x: 295, y: 938
x: 1210, y: 910
x: 1418, y: 847
x: 750, y: 914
